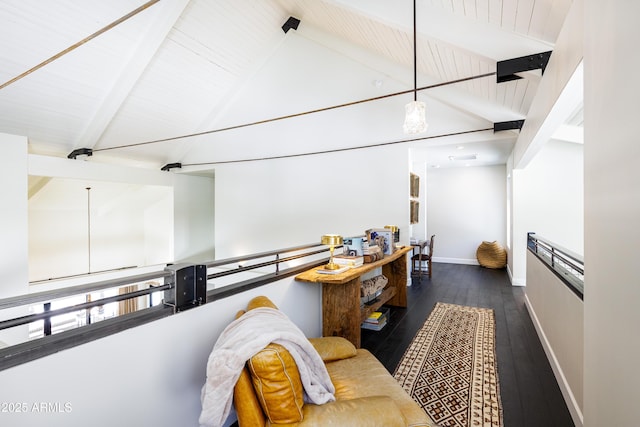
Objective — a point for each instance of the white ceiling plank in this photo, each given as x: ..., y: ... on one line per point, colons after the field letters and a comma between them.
x: 509, y: 12
x: 559, y: 11
x: 495, y: 12
x: 471, y: 9
x: 539, y: 18
x: 458, y: 7
x: 524, y: 11
x: 139, y: 58
x: 482, y: 11
x: 519, y: 94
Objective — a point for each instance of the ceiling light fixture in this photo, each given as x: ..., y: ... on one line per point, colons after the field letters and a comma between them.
x: 414, y: 119
x: 464, y: 157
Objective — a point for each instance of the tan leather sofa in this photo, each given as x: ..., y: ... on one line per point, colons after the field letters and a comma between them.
x: 269, y: 392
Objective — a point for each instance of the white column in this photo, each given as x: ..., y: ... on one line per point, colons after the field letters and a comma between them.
x: 14, y: 229
x: 612, y: 213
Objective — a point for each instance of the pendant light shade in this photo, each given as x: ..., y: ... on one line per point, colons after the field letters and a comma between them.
x: 414, y: 120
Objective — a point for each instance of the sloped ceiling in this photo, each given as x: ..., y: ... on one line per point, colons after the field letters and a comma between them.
x: 166, y: 83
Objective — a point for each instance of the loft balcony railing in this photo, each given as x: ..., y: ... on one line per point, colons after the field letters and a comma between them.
x: 169, y: 290
x: 565, y: 264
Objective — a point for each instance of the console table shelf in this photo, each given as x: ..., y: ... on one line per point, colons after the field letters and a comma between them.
x: 341, y: 311
x: 385, y: 296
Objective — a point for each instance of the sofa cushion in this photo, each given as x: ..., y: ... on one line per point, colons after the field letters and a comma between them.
x: 277, y: 383
x: 364, y: 376
x: 372, y: 411
x: 333, y: 348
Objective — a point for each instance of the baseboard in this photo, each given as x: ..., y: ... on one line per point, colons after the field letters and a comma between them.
x: 515, y: 282
x: 569, y: 398
x: 456, y: 261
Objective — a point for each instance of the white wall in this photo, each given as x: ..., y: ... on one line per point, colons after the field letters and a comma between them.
x: 194, y: 218
x: 612, y: 213
x: 193, y: 198
x: 558, y: 315
x: 548, y: 199
x: 273, y: 204
x: 128, y: 225
x: 466, y: 206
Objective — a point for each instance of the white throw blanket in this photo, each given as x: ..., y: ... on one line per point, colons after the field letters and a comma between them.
x: 242, y: 339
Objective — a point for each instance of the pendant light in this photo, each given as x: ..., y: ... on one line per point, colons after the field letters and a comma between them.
x: 414, y: 120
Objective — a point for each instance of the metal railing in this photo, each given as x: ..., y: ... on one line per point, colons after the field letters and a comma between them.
x: 184, y: 286
x: 565, y: 264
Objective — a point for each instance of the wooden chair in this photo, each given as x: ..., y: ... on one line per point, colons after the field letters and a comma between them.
x: 420, y: 257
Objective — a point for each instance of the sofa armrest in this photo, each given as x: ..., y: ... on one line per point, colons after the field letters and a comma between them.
x: 333, y: 348
x: 372, y: 411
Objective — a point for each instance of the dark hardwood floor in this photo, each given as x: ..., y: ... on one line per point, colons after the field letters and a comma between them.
x: 529, y: 392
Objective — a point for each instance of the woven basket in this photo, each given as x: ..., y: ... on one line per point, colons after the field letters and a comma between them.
x: 491, y: 255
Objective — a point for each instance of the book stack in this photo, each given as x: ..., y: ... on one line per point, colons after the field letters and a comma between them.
x: 372, y: 253
x: 350, y: 260
x: 342, y: 269
x: 376, y: 320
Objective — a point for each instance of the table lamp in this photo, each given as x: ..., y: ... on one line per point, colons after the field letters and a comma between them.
x: 331, y: 240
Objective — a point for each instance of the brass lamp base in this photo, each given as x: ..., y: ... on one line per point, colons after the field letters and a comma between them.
x: 332, y: 266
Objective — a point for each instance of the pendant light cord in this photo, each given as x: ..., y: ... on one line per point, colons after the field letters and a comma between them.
x: 415, y: 56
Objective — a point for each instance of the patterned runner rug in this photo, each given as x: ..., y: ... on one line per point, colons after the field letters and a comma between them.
x: 450, y: 367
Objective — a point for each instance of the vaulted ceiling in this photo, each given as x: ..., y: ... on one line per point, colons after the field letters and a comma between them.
x: 207, y: 81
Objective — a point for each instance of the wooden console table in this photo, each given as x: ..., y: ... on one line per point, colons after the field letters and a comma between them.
x: 341, y: 312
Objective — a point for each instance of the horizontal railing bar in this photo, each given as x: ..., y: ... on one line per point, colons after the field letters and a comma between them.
x: 263, y: 264
x: 33, y: 298
x: 5, y: 324
x: 111, y: 270
x: 560, y: 255
x: 31, y: 350
x: 234, y: 260
x: 568, y: 252
x: 541, y: 250
x: 239, y: 287
x: 37, y: 297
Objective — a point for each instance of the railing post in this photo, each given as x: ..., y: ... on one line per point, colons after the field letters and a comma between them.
x: 189, y: 286
x: 47, y: 320
x: 277, y: 263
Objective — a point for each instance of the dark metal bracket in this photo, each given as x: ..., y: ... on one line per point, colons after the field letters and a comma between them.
x: 80, y: 152
x: 506, y: 70
x: 189, y: 286
x: 170, y: 166
x: 292, y: 23
x: 513, y: 124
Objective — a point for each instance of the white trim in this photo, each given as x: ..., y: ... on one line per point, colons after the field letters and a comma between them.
x: 569, y: 398
x: 456, y: 261
x: 515, y: 282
